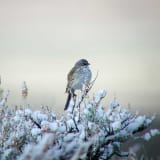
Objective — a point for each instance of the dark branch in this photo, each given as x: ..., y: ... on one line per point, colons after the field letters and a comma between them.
x: 38, y: 125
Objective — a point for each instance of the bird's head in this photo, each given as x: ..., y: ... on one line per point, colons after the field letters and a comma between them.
x: 82, y: 62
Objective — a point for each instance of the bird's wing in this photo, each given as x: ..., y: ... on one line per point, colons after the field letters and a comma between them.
x: 70, y: 77
x: 71, y: 74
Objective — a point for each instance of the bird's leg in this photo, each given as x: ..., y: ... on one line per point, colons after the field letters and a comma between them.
x: 79, y: 115
x: 74, y: 99
x: 87, y: 88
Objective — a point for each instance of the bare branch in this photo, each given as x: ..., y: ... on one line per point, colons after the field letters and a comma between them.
x: 38, y: 125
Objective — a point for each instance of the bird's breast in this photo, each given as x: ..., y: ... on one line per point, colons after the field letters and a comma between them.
x: 83, y: 76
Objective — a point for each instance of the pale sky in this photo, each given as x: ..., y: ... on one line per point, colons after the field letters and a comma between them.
x: 40, y: 40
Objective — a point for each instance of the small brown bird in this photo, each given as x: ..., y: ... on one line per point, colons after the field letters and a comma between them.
x: 79, y: 75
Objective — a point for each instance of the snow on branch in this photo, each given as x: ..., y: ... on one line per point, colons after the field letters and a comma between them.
x: 87, y: 132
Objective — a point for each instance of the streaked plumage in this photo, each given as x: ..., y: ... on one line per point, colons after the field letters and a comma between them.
x: 79, y: 75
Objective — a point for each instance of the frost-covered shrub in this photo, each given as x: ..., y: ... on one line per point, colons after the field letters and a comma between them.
x: 85, y: 131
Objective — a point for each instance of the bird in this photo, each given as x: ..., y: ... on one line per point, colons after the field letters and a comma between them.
x: 78, y: 76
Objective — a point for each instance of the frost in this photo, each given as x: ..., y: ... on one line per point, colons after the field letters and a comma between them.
x: 53, y: 126
x: 39, y: 116
x: 69, y: 137
x: 87, y: 131
x: 35, y: 131
x: 99, y: 95
x: 4, y: 98
x: 61, y: 129
x: 154, y: 132
x: 27, y: 112
x: 116, y: 125
x: 114, y: 104
x: 147, y: 136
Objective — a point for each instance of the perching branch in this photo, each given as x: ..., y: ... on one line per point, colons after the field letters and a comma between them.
x: 75, y: 124
x: 86, y: 90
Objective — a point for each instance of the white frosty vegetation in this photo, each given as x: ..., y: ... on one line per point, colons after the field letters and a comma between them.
x: 153, y: 132
x: 88, y: 131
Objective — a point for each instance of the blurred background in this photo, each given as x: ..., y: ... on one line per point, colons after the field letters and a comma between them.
x: 41, y: 40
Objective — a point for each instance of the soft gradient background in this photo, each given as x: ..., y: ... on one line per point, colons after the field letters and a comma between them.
x: 40, y: 40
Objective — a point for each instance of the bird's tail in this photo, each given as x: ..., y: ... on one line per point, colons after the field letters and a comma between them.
x: 68, y: 100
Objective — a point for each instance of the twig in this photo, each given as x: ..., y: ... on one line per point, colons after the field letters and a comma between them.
x: 87, y: 89
x: 74, y: 99
x: 92, y: 83
x: 75, y: 124
x: 38, y: 125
